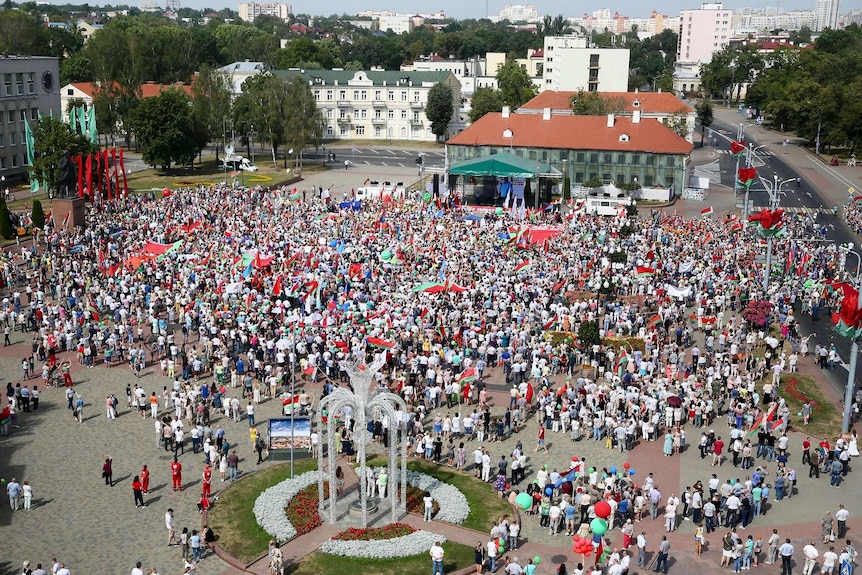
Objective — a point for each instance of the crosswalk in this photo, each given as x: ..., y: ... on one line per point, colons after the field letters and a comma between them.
x: 761, y: 153
x: 803, y: 211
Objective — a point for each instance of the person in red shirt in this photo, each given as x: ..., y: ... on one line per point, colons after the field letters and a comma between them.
x: 177, y: 474
x: 137, y: 489
x: 145, y: 480
x: 717, y: 448
x: 806, y: 451
x: 207, y: 483
x: 203, y: 504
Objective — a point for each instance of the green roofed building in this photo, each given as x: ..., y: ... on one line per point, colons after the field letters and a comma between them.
x: 376, y: 105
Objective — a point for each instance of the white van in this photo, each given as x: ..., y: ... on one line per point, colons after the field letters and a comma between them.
x: 237, y: 163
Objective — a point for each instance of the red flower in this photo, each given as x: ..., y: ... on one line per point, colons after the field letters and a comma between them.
x: 390, y: 531
x: 302, y: 509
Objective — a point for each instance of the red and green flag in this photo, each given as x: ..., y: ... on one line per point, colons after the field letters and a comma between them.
x: 523, y: 266
x: 645, y: 272
x: 380, y: 343
x: 467, y: 376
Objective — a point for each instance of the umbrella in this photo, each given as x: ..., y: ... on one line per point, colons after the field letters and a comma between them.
x: 674, y: 401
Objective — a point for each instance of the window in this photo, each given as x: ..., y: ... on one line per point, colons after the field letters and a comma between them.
x: 377, y: 95
x: 378, y: 131
x: 19, y: 83
x: 342, y: 114
x: 670, y: 161
x: 579, y: 157
x: 378, y: 115
x: 23, y: 115
x: 7, y: 79
x: 329, y: 95
x: 329, y: 113
x: 579, y: 176
x: 355, y: 94
x: 594, y: 75
x: 1, y: 140
x: 636, y: 159
x: 608, y: 158
x: 649, y: 160
x: 415, y: 96
x: 31, y: 82
x: 403, y: 114
x: 3, y: 163
x: 594, y: 157
x: 34, y: 113
x: 317, y: 95
x: 363, y: 114
x: 415, y: 116
x: 342, y: 95
x: 391, y: 95
x: 14, y: 160
x: 363, y: 95
x: 404, y: 96
x: 12, y: 141
x: 391, y: 114
x: 330, y: 131
x: 360, y: 130
x: 594, y: 60
x: 342, y: 131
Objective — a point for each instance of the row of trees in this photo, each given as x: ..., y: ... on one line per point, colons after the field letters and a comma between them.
x: 808, y: 91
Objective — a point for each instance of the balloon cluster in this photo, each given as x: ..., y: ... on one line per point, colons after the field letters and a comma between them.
x: 582, y: 546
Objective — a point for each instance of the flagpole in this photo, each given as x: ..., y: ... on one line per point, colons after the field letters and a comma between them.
x: 292, y: 395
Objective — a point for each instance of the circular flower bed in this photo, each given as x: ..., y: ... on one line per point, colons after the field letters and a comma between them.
x: 258, y: 179
x: 454, y: 507
x: 302, y: 510
x: 416, y: 501
x: 391, y: 531
x: 269, y: 507
x: 405, y: 546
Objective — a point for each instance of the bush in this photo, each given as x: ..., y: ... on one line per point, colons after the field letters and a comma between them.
x: 594, y: 183
x: 38, y: 215
x: 588, y: 334
x: 6, y: 229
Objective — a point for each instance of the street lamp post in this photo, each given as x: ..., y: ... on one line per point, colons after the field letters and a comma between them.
x: 774, y: 191
x: 740, y: 136
x: 752, y: 150
x: 854, y: 351
x: 324, y: 155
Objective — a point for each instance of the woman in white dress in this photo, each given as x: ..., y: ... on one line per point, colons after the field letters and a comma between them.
x: 852, y: 446
x: 803, y: 347
x: 222, y: 466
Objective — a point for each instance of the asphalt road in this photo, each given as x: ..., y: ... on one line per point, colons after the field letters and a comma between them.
x: 380, y: 156
x: 805, y: 196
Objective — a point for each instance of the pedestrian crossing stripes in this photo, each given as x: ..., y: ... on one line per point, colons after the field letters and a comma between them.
x: 803, y: 211
x: 757, y: 153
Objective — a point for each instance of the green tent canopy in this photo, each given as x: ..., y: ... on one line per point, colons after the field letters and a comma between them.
x: 501, y: 165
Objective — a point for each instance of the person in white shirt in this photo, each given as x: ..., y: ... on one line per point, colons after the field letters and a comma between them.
x: 830, y: 558
x: 841, y: 517
x: 137, y: 569
x: 811, y: 555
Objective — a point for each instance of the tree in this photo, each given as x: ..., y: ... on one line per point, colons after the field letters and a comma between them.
x: 211, y: 105
x: 485, y: 100
x: 678, y: 124
x: 304, y: 122
x: 53, y: 138
x: 704, y: 115
x: 588, y: 334
x: 439, y: 108
x: 37, y: 214
x: 163, y: 127
x: 6, y: 229
x: 262, y: 108
x: 515, y: 86
x: 596, y: 104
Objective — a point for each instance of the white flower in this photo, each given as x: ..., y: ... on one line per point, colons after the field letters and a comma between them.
x: 454, y: 507
x: 405, y: 546
x: 269, y: 505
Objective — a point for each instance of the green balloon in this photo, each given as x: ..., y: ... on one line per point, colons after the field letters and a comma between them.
x: 498, y: 211
x: 501, y: 549
x: 592, y: 469
x: 523, y: 501
x: 537, y: 560
x: 599, y: 526
x: 427, y: 197
x: 385, y: 255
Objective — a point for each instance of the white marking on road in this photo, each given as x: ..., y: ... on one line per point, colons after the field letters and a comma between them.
x: 833, y: 173
x: 383, y: 164
x: 375, y: 151
x: 400, y: 165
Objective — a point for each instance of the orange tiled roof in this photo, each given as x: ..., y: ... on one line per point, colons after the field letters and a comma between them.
x: 148, y: 90
x: 661, y: 102
x: 573, y: 133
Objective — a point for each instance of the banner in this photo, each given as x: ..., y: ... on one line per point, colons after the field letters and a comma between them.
x: 89, y: 169
x: 674, y: 291
x: 79, y: 164
x: 115, y: 180
x: 123, y: 171
x: 109, y: 193
x: 283, y: 434
x: 98, y: 172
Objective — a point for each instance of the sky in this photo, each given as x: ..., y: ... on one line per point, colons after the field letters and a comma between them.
x: 476, y: 8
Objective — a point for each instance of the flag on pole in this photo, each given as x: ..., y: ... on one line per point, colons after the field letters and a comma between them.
x: 88, y: 167
x: 380, y: 343
x: 467, y: 376
x: 645, y: 272
x: 655, y: 320
x: 706, y: 211
x: 91, y: 125
x: 31, y: 154
x: 94, y: 312
x: 622, y: 360
x: 523, y: 266
x: 247, y: 271
x: 552, y: 323
x: 736, y: 228
x: 66, y: 221
x: 79, y: 165
x: 276, y: 287
x: 82, y: 121
x: 123, y: 171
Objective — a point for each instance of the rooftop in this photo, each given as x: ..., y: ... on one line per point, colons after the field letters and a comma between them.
x: 647, y: 102
x: 573, y: 133
x: 377, y: 77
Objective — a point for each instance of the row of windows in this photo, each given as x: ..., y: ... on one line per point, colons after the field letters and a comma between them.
x: 17, y: 89
x: 363, y: 114
x: 12, y: 116
x: 344, y: 131
x: 559, y: 158
x: 13, y: 161
x: 362, y: 95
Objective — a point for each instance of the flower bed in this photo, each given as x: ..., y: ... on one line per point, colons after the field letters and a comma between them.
x: 269, y: 507
x: 302, y: 510
x: 416, y: 503
x: 391, y: 531
x: 418, y: 542
x: 454, y: 507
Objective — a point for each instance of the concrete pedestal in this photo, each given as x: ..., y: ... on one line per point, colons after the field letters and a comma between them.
x: 74, y: 208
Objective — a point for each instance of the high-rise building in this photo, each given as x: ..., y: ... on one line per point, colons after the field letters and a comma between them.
x: 570, y: 64
x: 31, y: 86
x: 703, y: 32
x: 248, y: 11
x: 826, y: 14
x: 519, y: 13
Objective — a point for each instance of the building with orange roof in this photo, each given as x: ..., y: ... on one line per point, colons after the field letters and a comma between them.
x: 661, y: 106
x: 87, y: 92
x: 619, y: 149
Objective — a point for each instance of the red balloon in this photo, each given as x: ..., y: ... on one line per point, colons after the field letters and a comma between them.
x: 603, y: 509
x: 626, y: 465
x: 575, y: 458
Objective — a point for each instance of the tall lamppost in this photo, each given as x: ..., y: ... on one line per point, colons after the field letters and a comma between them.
x: 774, y: 190
x: 854, y: 348
x: 740, y: 139
x: 751, y: 151
x: 324, y: 155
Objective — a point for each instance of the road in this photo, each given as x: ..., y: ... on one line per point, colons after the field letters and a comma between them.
x: 379, y: 156
x: 804, y: 199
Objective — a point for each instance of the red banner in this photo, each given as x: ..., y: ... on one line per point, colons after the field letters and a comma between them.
x: 108, y: 191
x: 79, y: 164
x: 115, y: 180
x: 98, y: 172
x: 123, y: 171
x: 89, y: 170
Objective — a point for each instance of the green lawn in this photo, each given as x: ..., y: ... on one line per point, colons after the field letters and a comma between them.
x: 485, y: 507
x: 458, y: 557
x: 233, y: 517
x: 825, y: 417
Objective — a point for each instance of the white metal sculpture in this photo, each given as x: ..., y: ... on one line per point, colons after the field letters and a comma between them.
x: 366, y: 402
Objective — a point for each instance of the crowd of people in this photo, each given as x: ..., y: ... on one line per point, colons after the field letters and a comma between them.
x: 233, y: 293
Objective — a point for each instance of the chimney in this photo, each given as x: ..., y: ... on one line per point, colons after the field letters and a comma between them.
x: 506, y: 110
x: 546, y: 113
x: 610, y: 120
x: 636, y: 117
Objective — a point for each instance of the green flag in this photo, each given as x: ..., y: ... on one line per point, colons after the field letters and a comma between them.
x: 91, y: 125
x: 31, y: 154
x: 73, y: 117
x: 82, y: 120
